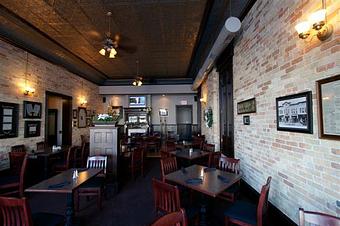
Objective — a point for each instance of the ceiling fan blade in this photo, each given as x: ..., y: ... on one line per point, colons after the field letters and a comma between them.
x: 127, y: 48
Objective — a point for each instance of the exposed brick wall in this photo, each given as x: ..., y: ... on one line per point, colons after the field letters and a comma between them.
x: 43, y: 76
x: 271, y: 61
x: 210, y: 92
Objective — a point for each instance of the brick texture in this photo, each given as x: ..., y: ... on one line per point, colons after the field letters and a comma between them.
x: 210, y: 92
x: 274, y: 63
x: 43, y: 76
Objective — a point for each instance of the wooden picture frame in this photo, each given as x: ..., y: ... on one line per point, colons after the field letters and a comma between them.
x: 32, y: 129
x: 32, y: 110
x: 294, y: 113
x: 246, y: 106
x: 81, y: 117
x: 328, y: 99
x: 9, y: 120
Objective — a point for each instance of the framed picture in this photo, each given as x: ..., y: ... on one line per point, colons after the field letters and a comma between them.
x: 247, y: 106
x: 74, y: 113
x: 246, y: 120
x: 328, y: 97
x: 81, y: 117
x: 32, y: 129
x: 9, y: 120
x: 163, y: 112
x: 32, y: 110
x: 294, y: 113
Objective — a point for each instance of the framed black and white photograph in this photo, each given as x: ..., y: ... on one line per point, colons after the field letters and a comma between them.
x: 88, y: 113
x: 294, y: 113
x: 74, y: 113
x: 9, y: 120
x: 163, y: 112
x: 81, y: 117
x: 328, y: 97
x: 32, y: 110
x: 89, y: 122
x: 32, y: 129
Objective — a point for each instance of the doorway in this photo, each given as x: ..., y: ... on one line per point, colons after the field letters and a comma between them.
x: 58, y: 119
x: 184, y: 121
x: 225, y: 68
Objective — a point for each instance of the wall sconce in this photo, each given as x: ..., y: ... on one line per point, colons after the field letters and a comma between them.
x: 202, y: 100
x: 82, y: 101
x: 29, y: 91
x: 317, y: 21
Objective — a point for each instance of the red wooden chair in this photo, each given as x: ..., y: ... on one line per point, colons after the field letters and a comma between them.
x: 165, y: 154
x: 214, y: 159
x: 15, y: 160
x: 137, y: 162
x: 317, y: 218
x: 170, y: 146
x: 230, y: 165
x: 172, y: 219
x: 167, y: 200
x: 168, y: 165
x: 166, y: 197
x: 197, y: 143
x: 18, y: 148
x: 209, y: 147
x: 16, y: 212
x: 68, y: 162
x: 95, y: 186
x: 247, y: 214
x: 41, y: 146
x: 14, y: 184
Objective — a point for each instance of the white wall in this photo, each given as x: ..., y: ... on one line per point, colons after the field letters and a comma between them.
x: 169, y: 102
x: 156, y: 102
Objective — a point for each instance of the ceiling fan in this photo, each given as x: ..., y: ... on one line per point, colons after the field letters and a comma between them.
x: 112, y: 45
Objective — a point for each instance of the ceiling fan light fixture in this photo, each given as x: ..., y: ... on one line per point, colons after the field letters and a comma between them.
x: 113, y: 53
x: 102, y: 52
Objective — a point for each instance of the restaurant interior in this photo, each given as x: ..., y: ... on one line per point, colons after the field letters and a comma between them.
x: 169, y: 112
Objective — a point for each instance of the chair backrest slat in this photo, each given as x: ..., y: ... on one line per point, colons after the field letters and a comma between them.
x: 166, y: 196
x: 168, y: 165
x: 229, y: 164
x: 97, y: 162
x: 15, y: 212
x: 317, y: 218
x: 172, y: 219
x: 18, y: 148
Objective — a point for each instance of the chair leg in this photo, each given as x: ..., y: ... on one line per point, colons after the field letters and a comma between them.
x: 76, y: 200
x: 99, y: 201
x: 226, y: 221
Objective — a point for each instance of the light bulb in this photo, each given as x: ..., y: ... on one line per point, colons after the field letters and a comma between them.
x: 113, y: 53
x: 303, y: 29
x: 134, y: 83
x: 140, y: 83
x: 102, y: 52
x: 318, y: 18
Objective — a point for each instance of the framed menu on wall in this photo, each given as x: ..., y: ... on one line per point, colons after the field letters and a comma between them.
x: 328, y: 95
x: 9, y: 120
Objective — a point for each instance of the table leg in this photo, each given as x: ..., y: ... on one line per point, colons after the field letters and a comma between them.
x: 203, y: 212
x: 69, y: 210
x: 46, y: 167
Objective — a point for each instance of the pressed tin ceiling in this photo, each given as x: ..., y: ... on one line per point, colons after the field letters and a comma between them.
x: 162, y: 32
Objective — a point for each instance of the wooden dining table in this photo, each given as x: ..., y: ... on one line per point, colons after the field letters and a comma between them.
x: 46, y: 154
x: 65, y: 184
x: 190, y: 155
x: 213, y: 182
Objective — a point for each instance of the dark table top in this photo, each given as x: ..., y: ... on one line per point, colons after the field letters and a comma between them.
x: 185, y: 153
x: 47, y: 152
x: 63, y: 182
x: 211, y: 184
